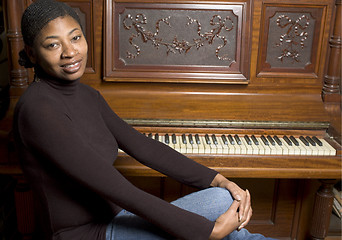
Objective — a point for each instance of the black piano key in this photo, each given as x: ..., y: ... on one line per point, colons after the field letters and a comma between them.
x: 167, y: 139
x: 184, y: 139
x: 207, y: 139
x: 156, y: 136
x: 270, y: 139
x: 295, y: 142
x: 317, y: 141
x: 264, y: 140
x: 150, y: 135
x: 224, y: 139
x: 191, y: 140
x: 287, y: 140
x: 277, y: 140
x: 213, y: 137
x: 174, y: 139
x: 306, y: 143
x: 237, y: 139
x: 231, y: 139
x: 255, y: 140
x: 309, y: 139
x: 197, y: 138
x: 248, y: 140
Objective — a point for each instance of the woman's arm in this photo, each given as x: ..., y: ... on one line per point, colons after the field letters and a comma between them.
x: 155, y: 154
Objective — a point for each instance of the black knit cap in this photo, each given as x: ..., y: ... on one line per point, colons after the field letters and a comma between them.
x: 40, y: 13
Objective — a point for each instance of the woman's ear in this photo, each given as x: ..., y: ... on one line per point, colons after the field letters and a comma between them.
x: 30, y: 53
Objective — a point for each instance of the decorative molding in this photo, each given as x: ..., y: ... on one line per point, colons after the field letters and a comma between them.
x: 291, y: 40
x: 169, y: 42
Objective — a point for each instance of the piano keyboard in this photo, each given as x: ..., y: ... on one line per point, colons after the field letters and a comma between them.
x: 247, y: 144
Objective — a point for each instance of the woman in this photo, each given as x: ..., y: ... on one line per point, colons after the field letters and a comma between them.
x: 68, y: 138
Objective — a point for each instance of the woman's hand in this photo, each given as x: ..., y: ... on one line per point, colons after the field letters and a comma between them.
x: 243, y: 197
x: 226, y: 223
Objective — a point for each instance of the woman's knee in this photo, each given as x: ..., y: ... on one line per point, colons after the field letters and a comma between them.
x: 221, y: 197
x: 220, y: 193
x: 210, y: 203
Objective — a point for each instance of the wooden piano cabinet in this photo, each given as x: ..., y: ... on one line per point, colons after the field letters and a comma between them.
x: 273, y: 85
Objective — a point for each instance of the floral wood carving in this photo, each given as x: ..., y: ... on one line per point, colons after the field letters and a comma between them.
x: 177, y: 42
x: 175, y: 45
x: 291, y: 37
x: 294, y: 36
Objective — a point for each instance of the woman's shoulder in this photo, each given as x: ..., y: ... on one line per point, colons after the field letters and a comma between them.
x: 88, y: 88
x: 88, y: 91
x: 36, y: 96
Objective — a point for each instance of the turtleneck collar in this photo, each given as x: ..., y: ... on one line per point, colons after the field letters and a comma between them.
x: 66, y: 87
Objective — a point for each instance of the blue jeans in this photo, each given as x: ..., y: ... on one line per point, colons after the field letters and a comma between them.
x: 210, y: 203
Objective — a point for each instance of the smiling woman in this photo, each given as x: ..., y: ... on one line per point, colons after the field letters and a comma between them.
x: 60, y: 49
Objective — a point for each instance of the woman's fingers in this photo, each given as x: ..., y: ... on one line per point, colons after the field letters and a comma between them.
x: 249, y: 216
x: 247, y: 205
x: 242, y: 196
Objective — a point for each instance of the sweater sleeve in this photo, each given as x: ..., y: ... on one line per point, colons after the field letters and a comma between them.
x: 154, y: 154
x: 49, y: 132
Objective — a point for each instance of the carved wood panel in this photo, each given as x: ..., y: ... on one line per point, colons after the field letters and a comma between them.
x: 170, y: 42
x: 291, y: 38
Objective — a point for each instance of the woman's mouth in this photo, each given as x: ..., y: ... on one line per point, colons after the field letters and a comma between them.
x: 72, y: 67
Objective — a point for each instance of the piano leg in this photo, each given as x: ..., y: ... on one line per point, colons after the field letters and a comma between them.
x: 322, y: 210
x: 24, y: 208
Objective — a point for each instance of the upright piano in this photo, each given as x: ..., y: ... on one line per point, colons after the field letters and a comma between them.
x: 250, y: 88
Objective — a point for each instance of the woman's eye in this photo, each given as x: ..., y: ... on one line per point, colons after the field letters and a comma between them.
x: 52, y: 45
x: 76, y: 38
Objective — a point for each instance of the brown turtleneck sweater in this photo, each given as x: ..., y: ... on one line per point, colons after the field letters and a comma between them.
x: 68, y: 139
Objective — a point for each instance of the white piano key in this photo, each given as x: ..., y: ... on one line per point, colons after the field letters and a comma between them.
x: 213, y: 148
x: 321, y: 150
x: 217, y: 145
x: 224, y: 146
x: 181, y: 145
x: 206, y: 147
x: 195, y: 148
x: 237, y: 148
x: 279, y: 149
x: 284, y: 147
x: 243, y: 147
x: 273, y: 149
x: 249, y: 149
x: 261, y: 149
x: 293, y: 149
x: 255, y: 149
x: 314, y: 150
x: 302, y: 147
x: 329, y: 149
x: 201, y: 148
x: 190, y: 147
x: 266, y: 149
x: 308, y: 149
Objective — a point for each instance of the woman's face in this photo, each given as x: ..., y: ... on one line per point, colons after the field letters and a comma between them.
x: 60, y: 49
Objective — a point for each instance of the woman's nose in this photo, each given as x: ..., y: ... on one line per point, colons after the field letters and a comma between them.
x: 69, y: 51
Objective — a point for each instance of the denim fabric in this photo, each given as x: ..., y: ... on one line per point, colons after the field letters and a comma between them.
x: 210, y: 203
